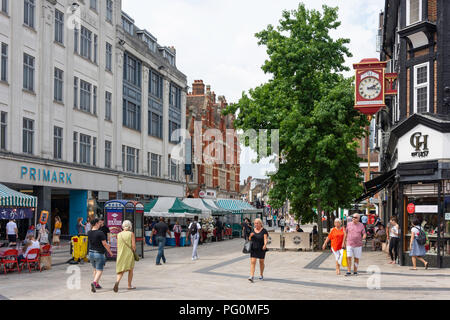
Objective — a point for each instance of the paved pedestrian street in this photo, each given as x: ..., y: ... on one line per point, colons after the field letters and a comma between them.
x: 222, y: 272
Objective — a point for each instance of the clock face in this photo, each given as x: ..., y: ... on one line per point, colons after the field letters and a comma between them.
x: 370, y: 88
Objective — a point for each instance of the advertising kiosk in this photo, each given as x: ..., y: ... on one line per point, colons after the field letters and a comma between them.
x: 116, y: 212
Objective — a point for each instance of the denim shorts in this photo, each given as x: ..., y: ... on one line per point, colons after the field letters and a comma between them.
x: 98, y: 260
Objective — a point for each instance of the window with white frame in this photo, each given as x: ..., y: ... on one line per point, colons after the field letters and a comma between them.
x: 85, y: 96
x: 109, y: 10
x: 85, y: 149
x: 28, y: 72
x: 108, y: 106
x: 28, y: 136
x: 421, y: 88
x: 108, y: 56
x: 173, y: 169
x: 413, y: 11
x: 3, y: 127
x: 5, y: 6
x: 154, y: 164
x: 28, y: 12
x: 130, y: 158
x: 108, y: 152
x: 57, y: 142
x: 4, y: 62
x: 59, y: 26
x: 93, y: 4
x: 58, y: 85
x: 86, y: 43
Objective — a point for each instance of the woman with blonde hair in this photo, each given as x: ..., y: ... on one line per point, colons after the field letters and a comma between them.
x: 126, y: 246
x: 57, y: 231
x: 336, y: 238
x: 259, y: 238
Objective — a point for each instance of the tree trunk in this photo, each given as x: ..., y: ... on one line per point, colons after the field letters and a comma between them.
x: 328, y: 221
x: 319, y: 222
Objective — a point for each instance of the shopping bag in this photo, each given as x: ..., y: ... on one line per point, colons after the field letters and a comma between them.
x: 247, y: 247
x: 344, y: 258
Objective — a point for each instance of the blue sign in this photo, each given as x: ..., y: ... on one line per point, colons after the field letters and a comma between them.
x: 17, y: 214
x: 51, y: 176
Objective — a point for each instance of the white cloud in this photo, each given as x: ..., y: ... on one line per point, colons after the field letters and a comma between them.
x: 215, y: 38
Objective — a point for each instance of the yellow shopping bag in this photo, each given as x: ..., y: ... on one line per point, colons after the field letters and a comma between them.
x: 344, y: 258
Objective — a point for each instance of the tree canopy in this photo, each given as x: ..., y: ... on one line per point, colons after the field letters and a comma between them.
x: 311, y: 103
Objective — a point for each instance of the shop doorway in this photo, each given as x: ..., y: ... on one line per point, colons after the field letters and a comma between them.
x: 60, y: 207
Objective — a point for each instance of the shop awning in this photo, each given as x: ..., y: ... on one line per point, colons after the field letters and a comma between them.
x: 374, y: 186
x: 170, y: 208
x: 237, y: 206
x: 207, y: 210
x: 10, y: 198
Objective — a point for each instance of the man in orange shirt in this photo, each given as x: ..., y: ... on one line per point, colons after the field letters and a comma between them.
x: 336, y: 237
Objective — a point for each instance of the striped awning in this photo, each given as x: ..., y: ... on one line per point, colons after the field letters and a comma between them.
x: 169, y: 207
x: 12, y: 198
x: 236, y: 206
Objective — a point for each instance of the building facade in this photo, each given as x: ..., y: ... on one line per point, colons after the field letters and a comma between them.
x: 88, y: 102
x: 219, y: 175
x: 415, y: 126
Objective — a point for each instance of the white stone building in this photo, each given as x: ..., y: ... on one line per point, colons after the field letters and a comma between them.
x: 87, y: 102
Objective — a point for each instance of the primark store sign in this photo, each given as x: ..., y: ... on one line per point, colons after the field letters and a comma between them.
x: 45, y: 175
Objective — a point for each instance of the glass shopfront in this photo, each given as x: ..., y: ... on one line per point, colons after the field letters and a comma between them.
x: 430, y: 204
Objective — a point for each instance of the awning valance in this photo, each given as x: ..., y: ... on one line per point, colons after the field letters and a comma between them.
x: 170, y: 207
x: 374, y: 186
x: 237, y: 206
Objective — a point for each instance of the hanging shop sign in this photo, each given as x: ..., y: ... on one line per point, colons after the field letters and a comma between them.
x: 447, y: 216
x: 427, y: 209
x: 43, y: 218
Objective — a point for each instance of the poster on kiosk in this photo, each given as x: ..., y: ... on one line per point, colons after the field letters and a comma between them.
x: 116, y: 212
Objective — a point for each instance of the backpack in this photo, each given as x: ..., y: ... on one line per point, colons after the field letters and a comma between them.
x: 422, y: 237
x: 193, y: 230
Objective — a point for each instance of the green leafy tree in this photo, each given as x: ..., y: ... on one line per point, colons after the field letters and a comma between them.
x: 311, y: 104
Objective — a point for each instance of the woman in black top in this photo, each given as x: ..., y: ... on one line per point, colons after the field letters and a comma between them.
x: 259, y: 238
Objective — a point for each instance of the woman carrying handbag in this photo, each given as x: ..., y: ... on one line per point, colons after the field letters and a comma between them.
x: 126, y: 255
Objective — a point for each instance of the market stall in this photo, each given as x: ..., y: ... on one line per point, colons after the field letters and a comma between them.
x: 240, y: 210
x: 172, y: 209
x: 17, y: 206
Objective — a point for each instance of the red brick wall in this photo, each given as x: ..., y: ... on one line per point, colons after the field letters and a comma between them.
x: 432, y: 10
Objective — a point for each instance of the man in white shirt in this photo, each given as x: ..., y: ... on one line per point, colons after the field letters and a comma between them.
x: 12, y: 232
x: 194, y: 231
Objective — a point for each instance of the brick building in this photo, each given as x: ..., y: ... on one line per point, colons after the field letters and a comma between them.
x: 215, y: 178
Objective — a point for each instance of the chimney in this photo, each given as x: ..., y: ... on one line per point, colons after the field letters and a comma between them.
x: 198, y: 88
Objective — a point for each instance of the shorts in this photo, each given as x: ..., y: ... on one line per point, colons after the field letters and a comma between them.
x: 58, y: 232
x: 98, y: 260
x: 338, y: 255
x: 354, y: 252
x: 12, y: 238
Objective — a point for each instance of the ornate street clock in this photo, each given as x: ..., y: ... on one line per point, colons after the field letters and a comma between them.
x: 370, y: 86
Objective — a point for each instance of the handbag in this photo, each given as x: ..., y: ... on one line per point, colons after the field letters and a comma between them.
x: 136, y: 256
x: 247, y: 247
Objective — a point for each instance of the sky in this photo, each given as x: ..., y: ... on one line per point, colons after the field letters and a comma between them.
x: 215, y: 40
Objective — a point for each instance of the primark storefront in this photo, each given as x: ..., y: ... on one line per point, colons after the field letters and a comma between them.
x: 417, y: 183
x: 74, y: 191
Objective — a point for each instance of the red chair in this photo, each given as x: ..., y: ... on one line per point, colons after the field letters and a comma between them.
x: 36, y: 261
x: 10, y: 260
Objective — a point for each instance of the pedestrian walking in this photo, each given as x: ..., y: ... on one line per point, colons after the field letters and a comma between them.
x: 417, y: 244
x: 177, y: 232
x: 259, y: 238
x: 57, y: 232
x: 269, y: 220
x: 80, y: 226
x: 246, y: 228
x: 282, y: 223
x: 105, y: 230
x: 194, y: 232
x: 394, y: 239
x: 160, y: 230
x: 12, y: 232
x: 219, y: 230
x: 126, y: 247
x: 275, y: 220
x: 97, y: 249
x: 336, y: 237
x: 353, y: 241
x: 88, y: 226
